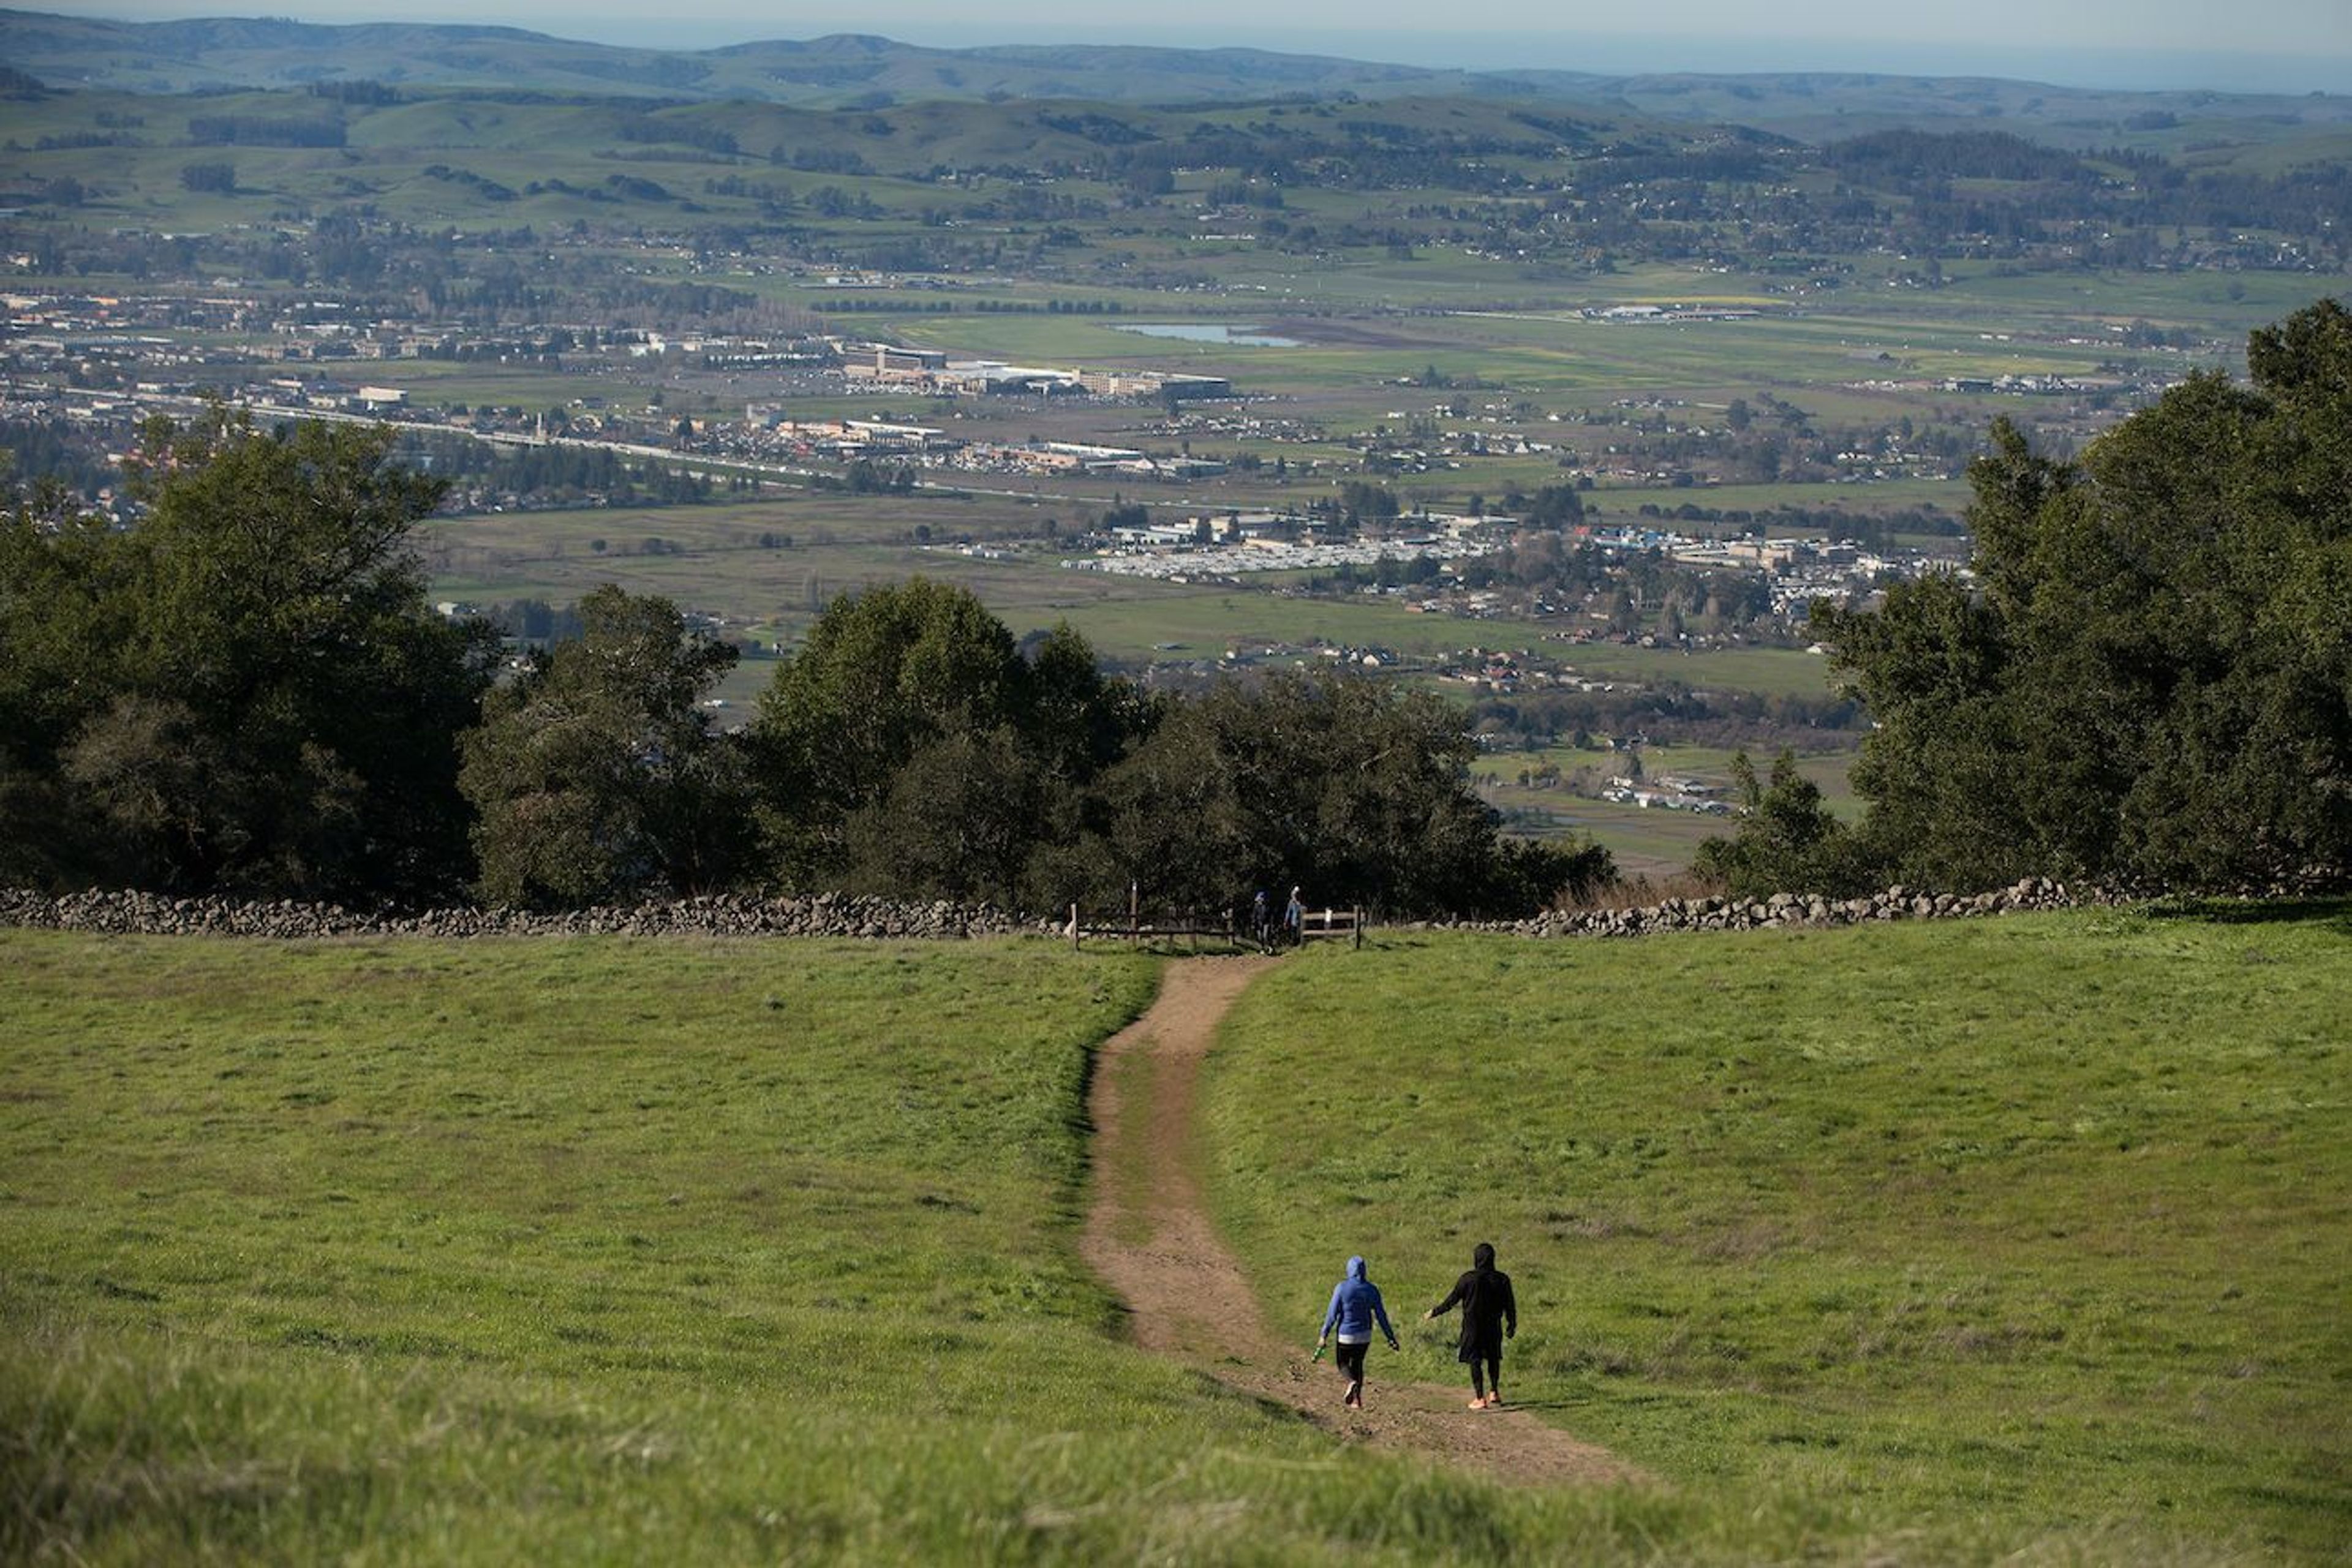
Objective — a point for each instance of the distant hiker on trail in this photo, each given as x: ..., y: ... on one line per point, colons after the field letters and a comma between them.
x: 1262, y: 921
x: 1355, y: 1305
x: 1294, y: 919
x: 1489, y: 1316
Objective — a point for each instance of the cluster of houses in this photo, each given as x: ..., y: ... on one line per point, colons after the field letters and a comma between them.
x: 1668, y: 794
x: 851, y: 440
x: 1236, y: 543
x: 1671, y: 312
x: 2039, y: 385
x: 1239, y: 544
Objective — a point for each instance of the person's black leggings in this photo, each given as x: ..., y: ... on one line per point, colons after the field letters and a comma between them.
x: 1350, y: 1361
x: 1486, y: 1370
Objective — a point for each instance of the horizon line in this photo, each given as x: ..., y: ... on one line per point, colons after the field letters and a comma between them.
x: 2077, y: 68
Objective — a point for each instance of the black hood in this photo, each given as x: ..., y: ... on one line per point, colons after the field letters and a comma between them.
x: 1483, y: 1256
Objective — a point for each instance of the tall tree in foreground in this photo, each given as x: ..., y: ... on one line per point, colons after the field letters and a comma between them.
x: 2150, y: 677
x: 909, y: 747
x: 596, y: 776
x: 246, y: 690
x: 1338, y: 782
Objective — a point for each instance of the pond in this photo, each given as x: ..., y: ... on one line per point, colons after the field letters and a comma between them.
x: 1212, y: 332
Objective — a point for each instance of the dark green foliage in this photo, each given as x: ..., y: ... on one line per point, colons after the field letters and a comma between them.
x: 246, y: 693
x: 1787, y: 842
x: 209, y: 174
x: 1531, y: 874
x: 553, y: 472
x: 376, y: 94
x: 879, y: 677
x: 1552, y: 506
x: 1919, y: 155
x: 959, y: 818
x: 246, y: 690
x: 263, y: 131
x: 2151, y: 679
x: 868, y: 478
x: 1341, y: 783
x: 907, y: 745
x: 1361, y: 499
x: 1947, y: 791
x: 596, y: 777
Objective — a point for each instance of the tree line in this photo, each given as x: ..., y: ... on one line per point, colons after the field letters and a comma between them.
x: 559, y: 473
x: 2144, y: 677
x: 246, y: 690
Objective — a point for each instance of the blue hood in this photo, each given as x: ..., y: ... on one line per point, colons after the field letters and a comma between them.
x: 1356, y: 1305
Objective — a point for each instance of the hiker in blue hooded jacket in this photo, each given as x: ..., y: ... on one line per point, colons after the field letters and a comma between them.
x: 1355, y: 1306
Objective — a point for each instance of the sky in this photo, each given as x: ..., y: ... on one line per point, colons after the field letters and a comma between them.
x: 2274, y: 45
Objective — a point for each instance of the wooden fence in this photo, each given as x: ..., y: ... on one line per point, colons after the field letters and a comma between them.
x: 1229, y: 927
x: 1348, y: 923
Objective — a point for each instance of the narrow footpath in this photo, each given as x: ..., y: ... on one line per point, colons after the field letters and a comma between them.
x: 1149, y: 1236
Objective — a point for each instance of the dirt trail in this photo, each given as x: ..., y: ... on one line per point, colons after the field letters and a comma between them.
x: 1148, y: 1234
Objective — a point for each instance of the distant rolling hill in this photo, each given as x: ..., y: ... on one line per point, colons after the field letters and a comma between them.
x: 850, y: 70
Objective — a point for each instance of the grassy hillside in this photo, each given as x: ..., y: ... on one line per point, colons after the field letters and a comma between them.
x: 2032, y: 1233
x: 1937, y: 1243
x: 597, y: 1251
x: 564, y: 1251
x: 863, y: 71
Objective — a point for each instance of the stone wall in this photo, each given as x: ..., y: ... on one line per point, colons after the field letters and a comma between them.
x: 844, y: 915
x: 1802, y: 909
x: 818, y: 914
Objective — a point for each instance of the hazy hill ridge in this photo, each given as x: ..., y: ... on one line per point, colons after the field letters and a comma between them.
x: 856, y: 70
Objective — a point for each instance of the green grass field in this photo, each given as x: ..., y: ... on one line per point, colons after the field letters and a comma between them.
x: 607, y: 1252
x: 2022, y: 1239
x: 1922, y: 1244
x: 1875, y: 499
x: 1658, y: 845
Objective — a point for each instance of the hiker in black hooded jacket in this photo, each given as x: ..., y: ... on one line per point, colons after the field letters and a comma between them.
x: 1489, y: 1316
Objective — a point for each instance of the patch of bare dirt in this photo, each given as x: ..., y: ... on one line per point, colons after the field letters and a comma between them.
x: 1148, y: 1234
x: 1359, y: 331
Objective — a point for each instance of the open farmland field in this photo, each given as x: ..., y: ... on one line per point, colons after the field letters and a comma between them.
x: 1706, y: 764
x: 1952, y: 496
x: 1560, y: 355
x: 1770, y: 670
x: 1641, y: 843
x: 2027, y: 1232
x: 1657, y: 842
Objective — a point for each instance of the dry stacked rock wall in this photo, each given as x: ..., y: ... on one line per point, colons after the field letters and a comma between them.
x: 817, y: 914
x: 844, y: 915
x: 1806, y: 910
